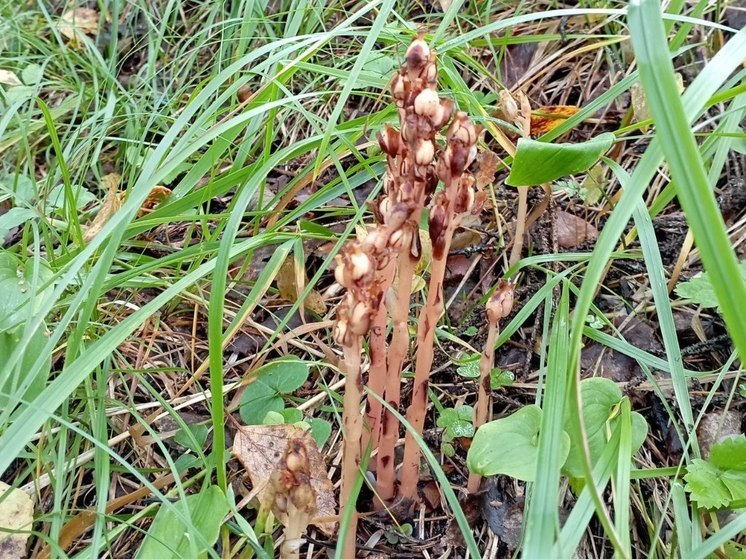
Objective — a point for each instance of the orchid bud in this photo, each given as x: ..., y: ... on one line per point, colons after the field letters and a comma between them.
x: 431, y: 74
x: 424, y: 153
x: 500, y: 304
x: 340, y: 272
x: 360, y: 264
x: 396, y: 240
x: 398, y: 89
x: 417, y: 54
x: 443, y: 114
x: 303, y: 497
x: 389, y: 140
x: 360, y: 319
x: 464, y: 199
x: 427, y: 103
x: 508, y: 106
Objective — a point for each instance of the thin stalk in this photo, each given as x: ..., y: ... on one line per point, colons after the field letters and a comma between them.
x: 353, y: 430
x: 386, y: 473
x: 428, y: 321
x: 483, y: 396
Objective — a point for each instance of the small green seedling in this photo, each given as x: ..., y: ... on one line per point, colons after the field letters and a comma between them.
x: 457, y: 422
x: 468, y: 367
x: 500, y: 378
x: 720, y: 482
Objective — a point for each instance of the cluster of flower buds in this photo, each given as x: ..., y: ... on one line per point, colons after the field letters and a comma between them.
x: 356, y: 271
x: 459, y: 196
x: 291, y: 488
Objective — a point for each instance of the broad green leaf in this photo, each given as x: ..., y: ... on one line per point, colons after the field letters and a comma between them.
x: 539, y: 162
x: 699, y: 288
x: 273, y: 381
x: 169, y: 537
x: 194, y: 437
x: 730, y: 453
x: 321, y: 430
x: 509, y: 446
x: 601, y: 399
x: 292, y: 415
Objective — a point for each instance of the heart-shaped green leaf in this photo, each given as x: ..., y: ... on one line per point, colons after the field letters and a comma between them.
x: 266, y: 393
x: 509, y: 446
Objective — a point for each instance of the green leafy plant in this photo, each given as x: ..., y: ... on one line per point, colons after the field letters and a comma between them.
x: 516, y: 455
x: 267, y: 393
x: 699, y: 289
x: 456, y: 422
x: 720, y: 482
x: 320, y: 429
x: 189, y: 534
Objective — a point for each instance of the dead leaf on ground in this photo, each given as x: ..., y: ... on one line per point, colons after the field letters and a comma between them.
x: 157, y: 196
x: 262, y: 448
x: 16, y: 514
x: 9, y: 78
x: 573, y: 230
x: 109, y: 206
x: 639, y: 104
x: 80, y: 21
x: 547, y: 119
x: 290, y: 290
x: 445, y: 4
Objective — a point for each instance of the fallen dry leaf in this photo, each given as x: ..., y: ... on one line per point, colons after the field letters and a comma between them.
x: 109, y: 206
x: 640, y: 105
x: 445, y: 4
x: 17, y: 514
x: 262, y: 448
x: 290, y: 290
x: 80, y: 21
x: 548, y: 118
x: 157, y: 195
x: 572, y: 230
x: 9, y: 78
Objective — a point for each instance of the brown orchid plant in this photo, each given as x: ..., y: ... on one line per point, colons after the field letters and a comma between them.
x: 378, y: 272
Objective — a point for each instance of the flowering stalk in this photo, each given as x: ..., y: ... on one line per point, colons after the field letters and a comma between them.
x: 457, y: 198
x: 498, y: 306
x: 355, y: 270
x: 410, y: 182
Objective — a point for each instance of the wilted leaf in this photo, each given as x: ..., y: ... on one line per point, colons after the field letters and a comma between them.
x: 16, y: 514
x: 157, y: 195
x: 573, y: 230
x: 639, y: 104
x: 548, y: 118
x: 9, y: 78
x: 109, y: 206
x: 262, y: 448
x: 80, y: 21
x: 287, y: 285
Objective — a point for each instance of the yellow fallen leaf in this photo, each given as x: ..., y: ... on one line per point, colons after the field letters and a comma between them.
x: 109, y: 206
x: 548, y: 118
x: 290, y: 290
x: 157, y: 195
x: 639, y: 104
x: 16, y: 514
x: 77, y: 22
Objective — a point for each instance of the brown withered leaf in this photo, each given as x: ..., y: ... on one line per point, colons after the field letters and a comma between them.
x: 290, y: 290
x: 16, y: 514
x: 261, y: 449
x: 112, y: 202
x: 573, y: 230
x: 157, y: 195
x: 77, y: 22
x: 488, y: 162
x: 548, y: 118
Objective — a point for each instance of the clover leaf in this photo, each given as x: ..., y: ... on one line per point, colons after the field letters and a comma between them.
x: 273, y: 381
x: 721, y: 481
x: 457, y: 422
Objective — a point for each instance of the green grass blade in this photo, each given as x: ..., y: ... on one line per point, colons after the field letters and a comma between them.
x: 684, y: 160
